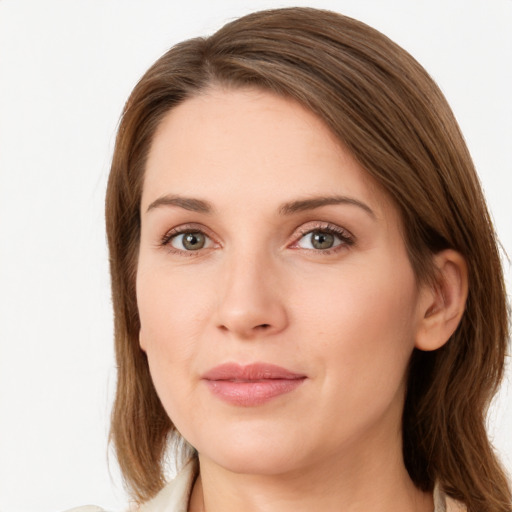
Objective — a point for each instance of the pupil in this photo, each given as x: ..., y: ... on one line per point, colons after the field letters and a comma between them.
x: 322, y: 240
x: 193, y: 241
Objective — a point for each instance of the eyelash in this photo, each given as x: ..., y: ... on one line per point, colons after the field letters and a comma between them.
x: 345, y: 237
x: 165, y: 241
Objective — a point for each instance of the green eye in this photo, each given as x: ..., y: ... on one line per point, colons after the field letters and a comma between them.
x: 321, y: 240
x: 192, y: 241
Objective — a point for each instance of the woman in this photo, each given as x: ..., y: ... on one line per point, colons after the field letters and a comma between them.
x: 309, y: 302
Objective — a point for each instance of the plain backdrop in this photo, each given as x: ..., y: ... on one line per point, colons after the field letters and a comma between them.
x: 66, y: 68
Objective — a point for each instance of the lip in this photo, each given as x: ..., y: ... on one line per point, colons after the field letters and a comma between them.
x: 251, y: 385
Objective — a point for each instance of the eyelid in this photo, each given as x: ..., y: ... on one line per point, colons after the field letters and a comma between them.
x: 165, y: 240
x: 346, y: 237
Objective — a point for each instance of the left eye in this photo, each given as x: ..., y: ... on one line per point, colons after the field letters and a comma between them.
x: 319, y: 240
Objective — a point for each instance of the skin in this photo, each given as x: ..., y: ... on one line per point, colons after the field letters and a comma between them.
x: 347, y: 318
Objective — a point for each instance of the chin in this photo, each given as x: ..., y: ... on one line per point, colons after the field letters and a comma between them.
x: 249, y: 453
x: 254, y: 462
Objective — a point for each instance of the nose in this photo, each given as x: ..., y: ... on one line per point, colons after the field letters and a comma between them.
x: 251, y: 302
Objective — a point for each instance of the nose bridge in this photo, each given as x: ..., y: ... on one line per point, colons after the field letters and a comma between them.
x: 250, y: 301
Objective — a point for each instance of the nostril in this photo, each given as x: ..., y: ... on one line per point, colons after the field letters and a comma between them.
x: 260, y: 327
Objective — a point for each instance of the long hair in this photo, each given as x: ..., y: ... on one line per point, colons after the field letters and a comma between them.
x: 395, y: 121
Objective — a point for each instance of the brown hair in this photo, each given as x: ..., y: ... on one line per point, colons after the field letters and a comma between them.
x: 391, y: 115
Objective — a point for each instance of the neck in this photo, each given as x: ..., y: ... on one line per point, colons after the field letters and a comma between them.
x: 371, y: 477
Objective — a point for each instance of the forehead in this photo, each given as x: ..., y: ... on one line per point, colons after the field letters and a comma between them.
x: 253, y: 147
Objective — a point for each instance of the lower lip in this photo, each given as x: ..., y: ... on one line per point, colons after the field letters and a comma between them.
x: 251, y: 393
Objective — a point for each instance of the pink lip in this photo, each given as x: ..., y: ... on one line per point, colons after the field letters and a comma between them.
x: 251, y: 385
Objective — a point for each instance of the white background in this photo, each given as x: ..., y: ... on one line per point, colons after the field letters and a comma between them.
x: 66, y: 68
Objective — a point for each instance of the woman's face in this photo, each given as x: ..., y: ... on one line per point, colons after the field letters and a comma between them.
x: 278, y: 306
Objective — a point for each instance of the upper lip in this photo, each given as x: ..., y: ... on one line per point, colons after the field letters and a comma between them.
x: 250, y: 372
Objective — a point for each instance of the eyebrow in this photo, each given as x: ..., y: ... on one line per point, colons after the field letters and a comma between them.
x: 187, y: 203
x: 318, y: 202
x: 289, y: 208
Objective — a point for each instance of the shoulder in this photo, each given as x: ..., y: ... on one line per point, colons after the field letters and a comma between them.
x: 443, y: 502
x: 174, y: 497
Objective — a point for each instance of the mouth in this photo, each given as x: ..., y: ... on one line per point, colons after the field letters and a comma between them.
x: 251, y: 385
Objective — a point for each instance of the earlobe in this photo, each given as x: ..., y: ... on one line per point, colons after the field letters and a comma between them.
x: 442, y: 304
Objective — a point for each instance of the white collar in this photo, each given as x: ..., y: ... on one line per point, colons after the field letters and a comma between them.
x: 174, y: 497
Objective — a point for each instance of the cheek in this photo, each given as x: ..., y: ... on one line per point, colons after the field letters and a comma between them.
x: 359, y: 333
x: 363, y: 321
x: 172, y: 314
x: 373, y: 292
x: 172, y: 308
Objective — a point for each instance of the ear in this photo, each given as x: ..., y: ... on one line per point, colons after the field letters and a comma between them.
x: 442, y: 304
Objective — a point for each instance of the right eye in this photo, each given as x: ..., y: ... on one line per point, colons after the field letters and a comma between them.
x: 189, y: 241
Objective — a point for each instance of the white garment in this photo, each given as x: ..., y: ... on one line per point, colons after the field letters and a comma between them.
x: 174, y: 497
